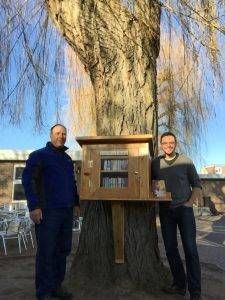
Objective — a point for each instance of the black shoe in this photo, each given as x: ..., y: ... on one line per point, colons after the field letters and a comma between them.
x: 62, y: 293
x: 45, y: 297
x: 174, y: 289
x: 195, y: 297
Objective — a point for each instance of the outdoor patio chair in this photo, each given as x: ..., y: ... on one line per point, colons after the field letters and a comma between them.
x: 11, y: 230
x: 26, y: 230
x: 77, y: 224
x: 3, y: 224
x: 7, y: 207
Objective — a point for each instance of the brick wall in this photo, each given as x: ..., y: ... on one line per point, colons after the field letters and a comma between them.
x: 6, y: 181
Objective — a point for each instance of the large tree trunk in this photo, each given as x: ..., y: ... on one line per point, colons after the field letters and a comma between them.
x: 119, y: 49
x: 118, y: 45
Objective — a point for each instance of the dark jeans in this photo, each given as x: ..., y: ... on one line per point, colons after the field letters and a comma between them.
x: 54, y: 240
x: 183, y: 218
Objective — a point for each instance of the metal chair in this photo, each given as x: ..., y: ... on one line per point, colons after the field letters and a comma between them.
x: 77, y: 224
x: 11, y: 230
x: 26, y: 230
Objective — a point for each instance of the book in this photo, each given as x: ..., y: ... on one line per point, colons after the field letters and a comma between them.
x: 159, y: 188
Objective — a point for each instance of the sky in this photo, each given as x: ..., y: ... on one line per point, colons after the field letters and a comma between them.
x: 213, y: 146
x: 25, y: 137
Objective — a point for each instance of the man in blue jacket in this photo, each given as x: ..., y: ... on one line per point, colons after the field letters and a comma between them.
x: 51, y: 193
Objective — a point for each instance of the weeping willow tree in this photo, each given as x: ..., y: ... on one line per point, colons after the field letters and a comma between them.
x: 117, y: 44
x: 183, y: 108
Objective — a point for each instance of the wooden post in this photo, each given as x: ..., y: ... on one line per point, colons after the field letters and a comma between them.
x: 118, y: 230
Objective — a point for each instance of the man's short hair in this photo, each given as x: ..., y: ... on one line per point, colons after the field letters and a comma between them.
x: 58, y: 124
x: 168, y: 133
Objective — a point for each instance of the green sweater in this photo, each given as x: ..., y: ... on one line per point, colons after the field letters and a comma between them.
x: 180, y: 177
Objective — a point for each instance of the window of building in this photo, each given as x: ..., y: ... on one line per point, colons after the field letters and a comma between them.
x: 18, y: 191
x: 218, y: 170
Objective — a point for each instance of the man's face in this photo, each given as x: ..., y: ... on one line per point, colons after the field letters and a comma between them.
x: 58, y: 136
x: 168, y: 144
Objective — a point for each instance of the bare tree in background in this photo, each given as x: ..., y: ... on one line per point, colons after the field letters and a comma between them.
x: 117, y: 42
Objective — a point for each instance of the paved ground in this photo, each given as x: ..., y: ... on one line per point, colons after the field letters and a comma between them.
x: 210, y: 240
x: 17, y: 271
x: 211, y: 248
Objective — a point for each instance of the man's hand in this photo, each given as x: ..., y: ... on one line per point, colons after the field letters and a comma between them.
x: 77, y: 211
x: 36, y: 215
x: 196, y: 196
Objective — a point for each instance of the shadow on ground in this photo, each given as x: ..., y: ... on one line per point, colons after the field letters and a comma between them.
x: 17, y: 280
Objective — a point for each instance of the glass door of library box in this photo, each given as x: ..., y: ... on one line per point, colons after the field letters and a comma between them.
x: 115, y: 173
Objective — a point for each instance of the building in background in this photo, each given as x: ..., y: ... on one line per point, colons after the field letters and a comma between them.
x: 214, y: 169
x: 12, y: 163
x: 213, y: 181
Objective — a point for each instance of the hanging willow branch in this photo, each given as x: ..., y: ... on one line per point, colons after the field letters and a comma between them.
x: 32, y: 61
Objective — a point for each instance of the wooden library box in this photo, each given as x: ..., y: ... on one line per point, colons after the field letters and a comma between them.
x: 117, y: 168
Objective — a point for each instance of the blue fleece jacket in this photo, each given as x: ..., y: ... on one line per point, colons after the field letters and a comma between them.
x: 48, y: 179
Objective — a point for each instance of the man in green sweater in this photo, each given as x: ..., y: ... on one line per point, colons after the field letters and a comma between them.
x: 182, y: 181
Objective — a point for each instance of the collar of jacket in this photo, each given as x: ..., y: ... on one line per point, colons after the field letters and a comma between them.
x: 51, y: 146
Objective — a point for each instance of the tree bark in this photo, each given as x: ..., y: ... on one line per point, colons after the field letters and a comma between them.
x: 118, y: 48
x: 94, y: 265
x: 118, y: 45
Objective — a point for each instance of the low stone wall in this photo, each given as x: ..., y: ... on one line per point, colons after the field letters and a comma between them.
x: 214, y: 190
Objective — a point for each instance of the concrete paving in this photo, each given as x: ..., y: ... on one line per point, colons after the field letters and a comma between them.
x: 210, y: 240
x: 211, y: 248
x: 17, y: 283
